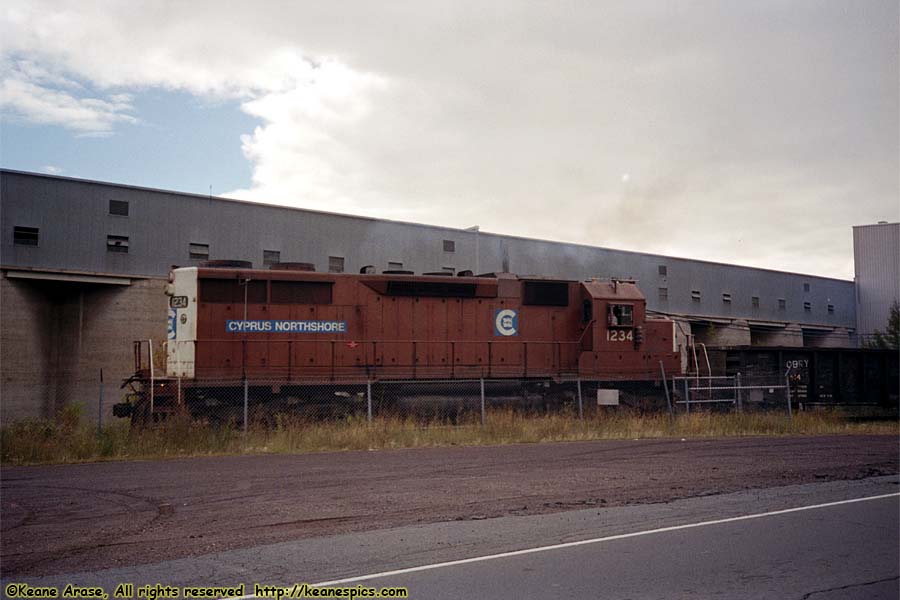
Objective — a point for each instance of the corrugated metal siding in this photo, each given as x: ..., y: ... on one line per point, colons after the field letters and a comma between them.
x: 74, y: 221
x: 876, y: 255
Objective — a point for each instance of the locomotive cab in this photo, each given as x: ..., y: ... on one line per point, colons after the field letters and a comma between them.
x: 623, y: 342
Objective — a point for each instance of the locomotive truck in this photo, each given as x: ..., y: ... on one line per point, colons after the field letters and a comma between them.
x: 297, y: 328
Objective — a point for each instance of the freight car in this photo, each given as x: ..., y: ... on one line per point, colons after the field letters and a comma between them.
x: 821, y: 376
x: 298, y: 327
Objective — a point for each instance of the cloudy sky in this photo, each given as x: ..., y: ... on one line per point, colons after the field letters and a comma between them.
x: 749, y: 132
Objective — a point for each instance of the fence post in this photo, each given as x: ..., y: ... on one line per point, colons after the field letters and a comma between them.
x: 369, y: 398
x: 152, y: 380
x: 662, y: 370
x: 687, y: 396
x: 787, y: 391
x: 100, y: 406
x: 481, y: 381
x: 738, y: 390
x: 246, y: 392
x: 580, y: 404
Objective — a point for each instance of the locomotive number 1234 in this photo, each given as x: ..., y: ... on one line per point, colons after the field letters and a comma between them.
x: 619, y: 335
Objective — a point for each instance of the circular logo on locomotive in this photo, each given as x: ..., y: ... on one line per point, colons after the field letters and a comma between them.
x: 506, y: 322
x: 172, y: 324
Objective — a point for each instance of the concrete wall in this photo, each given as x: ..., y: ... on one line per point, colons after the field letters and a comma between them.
x: 57, y: 336
x: 838, y: 338
x: 790, y: 335
x: 27, y: 384
x: 736, y: 333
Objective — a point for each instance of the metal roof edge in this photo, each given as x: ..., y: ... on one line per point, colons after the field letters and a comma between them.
x: 48, y: 270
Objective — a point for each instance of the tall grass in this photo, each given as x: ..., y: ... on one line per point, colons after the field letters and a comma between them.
x: 67, y: 440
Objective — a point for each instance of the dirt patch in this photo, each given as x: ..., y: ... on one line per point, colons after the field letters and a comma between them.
x: 68, y: 518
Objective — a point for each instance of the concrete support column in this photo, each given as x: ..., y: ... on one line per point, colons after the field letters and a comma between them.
x: 56, y: 337
x: 682, y: 339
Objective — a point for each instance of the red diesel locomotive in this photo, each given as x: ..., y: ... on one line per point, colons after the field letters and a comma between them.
x: 293, y: 327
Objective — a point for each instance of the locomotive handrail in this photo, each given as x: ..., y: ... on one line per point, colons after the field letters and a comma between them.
x: 373, y: 359
x: 586, y: 327
x: 382, y: 341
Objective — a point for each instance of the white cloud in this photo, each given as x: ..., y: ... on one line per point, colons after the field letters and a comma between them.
x: 750, y: 133
x: 28, y: 70
x: 304, y: 150
x: 51, y: 169
x: 49, y: 106
x: 196, y: 48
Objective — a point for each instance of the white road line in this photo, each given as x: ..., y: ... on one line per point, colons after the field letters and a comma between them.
x: 621, y: 536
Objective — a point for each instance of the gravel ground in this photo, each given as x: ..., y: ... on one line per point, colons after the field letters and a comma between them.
x: 67, y: 518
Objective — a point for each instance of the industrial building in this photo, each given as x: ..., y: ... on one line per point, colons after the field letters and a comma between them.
x: 84, y: 262
x: 876, y: 260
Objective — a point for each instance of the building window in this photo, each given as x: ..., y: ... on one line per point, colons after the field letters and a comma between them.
x: 117, y: 243
x: 831, y: 309
x: 807, y: 307
x: 199, y: 251
x: 450, y: 270
x: 335, y: 264
x: 395, y: 266
x: 449, y: 246
x: 754, y: 300
x: 25, y: 236
x: 782, y: 304
x: 695, y: 295
x: 726, y: 298
x: 805, y: 287
x: 271, y: 257
x: 663, y: 294
x: 118, y: 208
x: 663, y: 271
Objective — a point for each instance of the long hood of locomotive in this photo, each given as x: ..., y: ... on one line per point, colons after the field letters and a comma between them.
x: 232, y: 323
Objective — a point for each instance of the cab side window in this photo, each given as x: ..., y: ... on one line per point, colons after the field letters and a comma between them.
x: 621, y: 315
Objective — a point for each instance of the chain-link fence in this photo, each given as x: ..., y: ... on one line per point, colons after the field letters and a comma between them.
x: 269, y: 402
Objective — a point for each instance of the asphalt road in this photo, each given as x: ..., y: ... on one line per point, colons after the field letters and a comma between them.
x: 94, y: 517
x: 827, y: 550
x: 837, y: 551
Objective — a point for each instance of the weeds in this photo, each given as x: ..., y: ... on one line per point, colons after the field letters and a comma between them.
x: 67, y: 440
